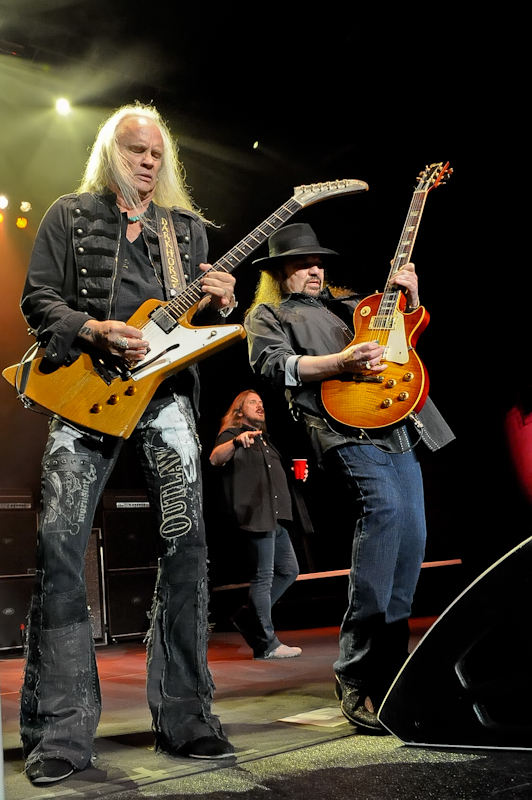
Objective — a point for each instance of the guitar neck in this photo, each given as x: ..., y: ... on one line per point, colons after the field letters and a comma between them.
x: 404, y: 250
x: 304, y: 196
x: 408, y: 236
x: 227, y: 263
x: 431, y: 177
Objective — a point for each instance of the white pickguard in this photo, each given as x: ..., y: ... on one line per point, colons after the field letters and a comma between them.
x: 397, y: 348
x: 182, y: 342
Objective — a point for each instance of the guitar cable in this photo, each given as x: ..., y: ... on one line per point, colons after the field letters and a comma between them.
x: 415, y: 421
x: 20, y: 384
x: 21, y: 376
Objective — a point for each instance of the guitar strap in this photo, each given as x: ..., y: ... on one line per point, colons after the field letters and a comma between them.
x: 173, y: 275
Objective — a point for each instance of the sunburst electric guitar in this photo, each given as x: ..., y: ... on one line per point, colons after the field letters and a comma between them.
x: 106, y: 394
x: 367, y: 400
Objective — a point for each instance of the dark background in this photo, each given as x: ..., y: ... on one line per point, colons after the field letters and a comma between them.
x: 368, y: 91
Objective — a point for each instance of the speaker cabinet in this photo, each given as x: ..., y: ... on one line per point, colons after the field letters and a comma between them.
x: 131, y: 559
x: 467, y: 684
x: 16, y: 592
x: 130, y: 594
x: 18, y: 542
x: 130, y: 540
x: 15, y: 598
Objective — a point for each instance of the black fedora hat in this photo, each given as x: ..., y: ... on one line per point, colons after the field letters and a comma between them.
x: 293, y: 240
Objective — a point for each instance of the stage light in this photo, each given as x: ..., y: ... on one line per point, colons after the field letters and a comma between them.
x: 25, y: 206
x: 1, y: 218
x: 21, y: 222
x: 255, y: 145
x: 62, y: 106
x: 4, y: 202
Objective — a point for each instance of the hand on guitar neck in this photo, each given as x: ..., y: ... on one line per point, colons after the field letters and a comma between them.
x: 219, y: 288
x: 406, y: 278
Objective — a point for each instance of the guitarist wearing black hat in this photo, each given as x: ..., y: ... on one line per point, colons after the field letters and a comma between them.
x: 300, y: 335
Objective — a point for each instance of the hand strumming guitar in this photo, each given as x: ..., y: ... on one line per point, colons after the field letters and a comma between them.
x: 115, y: 337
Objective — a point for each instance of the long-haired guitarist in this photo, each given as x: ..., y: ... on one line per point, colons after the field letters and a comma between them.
x: 98, y: 256
x: 258, y: 498
x: 300, y: 334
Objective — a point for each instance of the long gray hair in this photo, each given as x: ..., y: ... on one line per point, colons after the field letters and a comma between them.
x: 107, y: 165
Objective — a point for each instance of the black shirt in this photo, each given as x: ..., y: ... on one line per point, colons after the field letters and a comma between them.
x: 139, y: 279
x: 255, y: 484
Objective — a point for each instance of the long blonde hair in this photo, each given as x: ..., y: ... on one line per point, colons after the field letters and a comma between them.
x: 107, y: 165
x: 269, y: 290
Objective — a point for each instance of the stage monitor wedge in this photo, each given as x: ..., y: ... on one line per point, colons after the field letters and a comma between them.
x: 468, y: 683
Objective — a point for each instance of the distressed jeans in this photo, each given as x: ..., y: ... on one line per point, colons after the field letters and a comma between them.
x: 388, y: 550
x: 60, y: 703
x: 275, y: 568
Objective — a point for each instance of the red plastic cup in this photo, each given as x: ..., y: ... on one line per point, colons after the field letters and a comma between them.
x: 300, y: 466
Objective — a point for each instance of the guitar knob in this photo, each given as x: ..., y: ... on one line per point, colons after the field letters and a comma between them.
x: 386, y: 403
x: 403, y: 396
x: 130, y: 390
x: 96, y: 408
x: 391, y: 383
x: 113, y: 400
x: 408, y: 376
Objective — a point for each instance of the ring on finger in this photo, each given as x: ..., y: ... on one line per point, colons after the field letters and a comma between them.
x: 367, y: 365
x: 122, y: 343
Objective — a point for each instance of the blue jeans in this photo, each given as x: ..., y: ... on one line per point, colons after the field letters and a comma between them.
x: 60, y: 703
x: 388, y: 549
x: 275, y: 568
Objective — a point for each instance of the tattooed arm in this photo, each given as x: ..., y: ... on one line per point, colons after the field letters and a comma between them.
x: 115, y: 337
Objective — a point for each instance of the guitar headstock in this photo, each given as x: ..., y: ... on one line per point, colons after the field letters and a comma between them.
x: 433, y: 175
x: 314, y: 192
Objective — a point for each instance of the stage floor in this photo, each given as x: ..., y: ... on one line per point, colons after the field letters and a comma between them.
x: 274, y: 759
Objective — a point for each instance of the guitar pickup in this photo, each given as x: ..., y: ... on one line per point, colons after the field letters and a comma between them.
x: 163, y: 318
x: 383, y: 322
x: 103, y: 372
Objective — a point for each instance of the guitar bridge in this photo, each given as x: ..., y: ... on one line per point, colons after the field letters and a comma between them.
x: 367, y: 378
x: 108, y: 372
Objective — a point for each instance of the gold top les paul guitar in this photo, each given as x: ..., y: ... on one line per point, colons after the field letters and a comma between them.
x: 366, y: 400
x: 106, y: 394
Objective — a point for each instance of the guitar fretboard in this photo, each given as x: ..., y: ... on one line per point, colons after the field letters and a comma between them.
x: 390, y: 296
x: 167, y: 316
x: 175, y: 309
x: 429, y: 179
